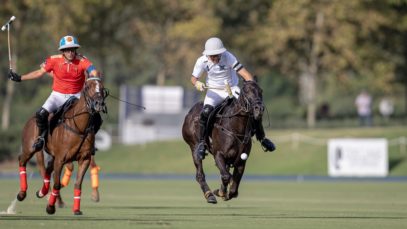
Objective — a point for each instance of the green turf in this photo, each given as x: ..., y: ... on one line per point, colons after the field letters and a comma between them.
x: 180, y: 204
x: 307, y: 157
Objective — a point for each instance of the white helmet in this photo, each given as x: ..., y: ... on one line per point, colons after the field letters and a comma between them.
x: 68, y: 42
x: 213, y: 46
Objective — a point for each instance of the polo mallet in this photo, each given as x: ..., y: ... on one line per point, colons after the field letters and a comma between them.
x: 226, y: 88
x: 7, y: 26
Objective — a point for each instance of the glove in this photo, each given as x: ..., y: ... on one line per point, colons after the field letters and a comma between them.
x: 199, y: 85
x: 14, y: 76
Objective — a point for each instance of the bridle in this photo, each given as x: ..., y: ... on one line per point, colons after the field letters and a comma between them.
x: 92, y: 102
x: 245, y: 109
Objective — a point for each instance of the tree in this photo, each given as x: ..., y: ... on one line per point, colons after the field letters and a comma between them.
x: 313, y: 39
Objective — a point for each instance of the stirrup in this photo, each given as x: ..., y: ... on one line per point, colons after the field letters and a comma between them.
x: 39, y: 143
x: 267, y: 145
x: 200, y: 151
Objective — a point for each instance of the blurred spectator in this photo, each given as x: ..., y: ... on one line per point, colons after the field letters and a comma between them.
x: 386, y: 108
x: 323, y: 111
x: 363, y: 104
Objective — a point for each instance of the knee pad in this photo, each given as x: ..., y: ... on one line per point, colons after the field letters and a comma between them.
x: 41, y: 115
x: 206, y: 111
x: 42, y: 118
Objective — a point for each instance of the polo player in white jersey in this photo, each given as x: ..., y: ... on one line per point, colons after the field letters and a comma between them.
x: 220, y: 66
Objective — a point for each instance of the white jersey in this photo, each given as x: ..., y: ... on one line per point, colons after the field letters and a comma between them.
x: 217, y: 74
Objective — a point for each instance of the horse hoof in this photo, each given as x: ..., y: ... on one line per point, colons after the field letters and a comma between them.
x: 50, y: 209
x: 219, y: 193
x: 77, y: 212
x: 212, y: 199
x: 39, y: 194
x: 95, y: 196
x: 21, y: 196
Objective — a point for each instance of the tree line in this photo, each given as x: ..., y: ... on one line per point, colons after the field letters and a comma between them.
x: 304, y: 52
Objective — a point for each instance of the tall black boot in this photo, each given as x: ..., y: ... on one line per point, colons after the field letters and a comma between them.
x: 42, y: 123
x: 201, y: 148
x: 261, y: 136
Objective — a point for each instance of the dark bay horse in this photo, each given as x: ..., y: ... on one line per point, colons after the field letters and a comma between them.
x: 230, y: 137
x: 73, y: 139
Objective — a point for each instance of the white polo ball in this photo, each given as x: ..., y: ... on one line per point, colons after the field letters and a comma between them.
x: 243, y: 156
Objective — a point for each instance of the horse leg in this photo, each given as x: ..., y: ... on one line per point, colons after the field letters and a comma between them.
x: 67, y: 174
x: 45, y: 171
x: 200, y: 178
x: 94, y: 177
x: 58, y: 164
x: 235, y: 182
x: 83, y: 166
x: 64, y: 182
x: 225, y: 176
x: 23, y: 158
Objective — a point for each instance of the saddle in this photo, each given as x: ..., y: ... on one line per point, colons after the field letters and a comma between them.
x: 218, y: 110
x: 58, y: 116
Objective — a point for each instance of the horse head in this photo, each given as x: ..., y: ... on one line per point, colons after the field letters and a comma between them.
x: 252, y: 97
x: 95, y: 95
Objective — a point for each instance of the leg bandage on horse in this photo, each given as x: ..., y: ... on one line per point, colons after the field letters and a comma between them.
x: 45, y: 187
x: 67, y: 176
x: 94, y: 176
x: 76, y: 200
x: 53, y: 197
x: 23, y: 179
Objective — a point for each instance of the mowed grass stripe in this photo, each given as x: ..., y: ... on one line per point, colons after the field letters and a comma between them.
x: 180, y: 204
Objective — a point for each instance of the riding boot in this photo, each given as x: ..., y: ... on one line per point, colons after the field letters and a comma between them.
x: 261, y: 136
x: 42, y: 123
x: 201, y: 148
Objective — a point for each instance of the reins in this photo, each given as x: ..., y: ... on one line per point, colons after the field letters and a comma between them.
x: 88, y: 110
x: 243, y: 110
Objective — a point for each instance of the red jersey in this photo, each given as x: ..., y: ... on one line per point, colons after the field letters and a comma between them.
x: 69, y: 77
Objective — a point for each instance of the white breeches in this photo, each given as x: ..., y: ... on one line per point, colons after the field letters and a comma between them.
x: 215, y: 96
x: 56, y: 100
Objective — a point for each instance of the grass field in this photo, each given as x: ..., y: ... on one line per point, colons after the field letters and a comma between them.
x: 179, y: 204
x: 306, y: 156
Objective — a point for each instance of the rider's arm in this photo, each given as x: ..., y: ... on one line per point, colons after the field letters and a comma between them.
x: 246, y: 75
x: 34, y: 74
x: 193, y: 80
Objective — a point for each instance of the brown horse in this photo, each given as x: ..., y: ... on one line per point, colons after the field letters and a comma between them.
x: 73, y: 139
x: 230, y: 137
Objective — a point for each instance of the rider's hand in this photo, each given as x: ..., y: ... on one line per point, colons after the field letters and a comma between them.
x: 14, y: 76
x: 199, y: 85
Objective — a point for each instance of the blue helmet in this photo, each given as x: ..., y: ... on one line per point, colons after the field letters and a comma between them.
x: 68, y: 42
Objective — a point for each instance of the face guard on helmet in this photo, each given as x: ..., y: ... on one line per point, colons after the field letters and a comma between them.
x: 68, y: 42
x: 214, y: 46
